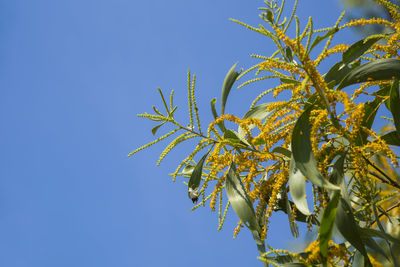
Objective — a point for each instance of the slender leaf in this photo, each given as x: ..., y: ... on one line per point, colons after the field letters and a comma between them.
x: 348, y: 227
x: 234, y: 137
x: 188, y: 169
x: 358, y: 49
x: 319, y: 38
x: 392, y: 138
x: 297, y: 186
x: 230, y: 79
x: 239, y: 199
x: 258, y: 112
x: 370, y: 110
x: 154, y: 130
x: 336, y: 74
x: 283, y: 151
x: 289, y: 54
x: 289, y: 81
x: 327, y: 223
x: 303, y: 155
x: 371, y: 243
x: 377, y: 70
x: 394, y: 103
x: 286, y: 259
x: 215, y: 114
x: 293, y: 226
x: 195, y: 179
x: 337, y: 177
x: 383, y: 231
x: 376, y: 233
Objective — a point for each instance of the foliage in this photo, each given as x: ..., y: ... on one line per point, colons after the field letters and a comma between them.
x: 320, y: 132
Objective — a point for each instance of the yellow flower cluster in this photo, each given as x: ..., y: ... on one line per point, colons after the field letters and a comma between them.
x: 274, y: 64
x: 363, y: 22
x: 336, y: 253
x: 336, y: 49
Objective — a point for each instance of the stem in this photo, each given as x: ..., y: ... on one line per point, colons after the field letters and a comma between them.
x: 391, y: 181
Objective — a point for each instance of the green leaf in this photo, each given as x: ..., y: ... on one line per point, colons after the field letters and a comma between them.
x: 286, y: 259
x: 283, y: 151
x: 230, y: 79
x: 215, y: 114
x: 303, y: 155
x: 376, y: 233
x: 392, y: 138
x: 239, y: 199
x: 188, y: 169
x: 289, y: 54
x: 383, y: 231
x: 297, y: 186
x: 195, y: 178
x: 258, y: 112
x: 319, y: 38
x: 337, y: 177
x: 394, y: 103
x: 377, y: 70
x: 289, y: 81
x: 371, y: 243
x: 327, y: 223
x: 348, y: 227
x: 293, y: 226
x: 358, y: 49
x: 270, y: 16
x: 234, y: 137
x: 370, y: 110
x: 154, y: 130
x: 336, y: 74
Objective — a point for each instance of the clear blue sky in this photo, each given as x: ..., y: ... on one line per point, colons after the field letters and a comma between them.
x: 73, y: 76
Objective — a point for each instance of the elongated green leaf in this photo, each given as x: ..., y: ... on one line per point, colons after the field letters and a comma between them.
x: 289, y: 81
x: 381, y: 69
x: 286, y: 259
x: 319, y: 38
x: 154, y: 130
x: 293, y: 226
x: 303, y: 155
x: 230, y: 79
x: 370, y: 110
x: 188, y: 169
x: 336, y: 74
x: 289, y: 54
x: 383, y: 231
x: 258, y: 112
x: 297, y: 186
x: 299, y: 217
x: 195, y: 179
x: 327, y: 223
x: 260, y: 243
x: 349, y: 228
x: 234, y: 137
x: 358, y: 49
x: 239, y: 199
x: 394, y: 103
x: 215, y: 114
x: 376, y: 233
x: 392, y: 138
x: 371, y: 243
x: 283, y: 151
x: 337, y: 177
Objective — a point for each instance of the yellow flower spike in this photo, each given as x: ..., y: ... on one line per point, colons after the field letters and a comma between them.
x: 237, y: 229
x: 363, y: 22
x: 340, y: 48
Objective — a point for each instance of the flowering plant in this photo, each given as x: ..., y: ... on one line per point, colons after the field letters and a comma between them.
x: 319, y: 130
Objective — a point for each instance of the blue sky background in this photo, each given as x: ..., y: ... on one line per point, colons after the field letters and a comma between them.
x: 73, y: 76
